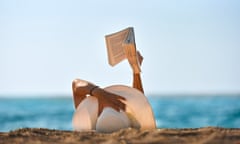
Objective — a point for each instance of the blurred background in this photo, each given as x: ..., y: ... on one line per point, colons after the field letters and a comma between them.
x: 190, y: 71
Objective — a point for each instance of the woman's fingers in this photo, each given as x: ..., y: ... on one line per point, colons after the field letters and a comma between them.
x: 102, y: 105
x: 117, y: 100
x: 107, y: 99
x: 121, y: 98
x: 119, y: 106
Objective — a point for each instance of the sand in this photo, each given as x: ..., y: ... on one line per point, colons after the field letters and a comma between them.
x: 207, y: 135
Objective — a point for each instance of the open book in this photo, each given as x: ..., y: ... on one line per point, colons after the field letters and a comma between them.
x: 121, y: 45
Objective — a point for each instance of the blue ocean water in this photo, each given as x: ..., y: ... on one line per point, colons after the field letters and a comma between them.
x: 169, y: 111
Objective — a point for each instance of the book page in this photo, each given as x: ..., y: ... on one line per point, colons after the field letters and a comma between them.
x: 115, y: 47
x: 121, y: 45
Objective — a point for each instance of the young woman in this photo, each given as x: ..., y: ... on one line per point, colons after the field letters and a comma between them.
x: 104, y: 109
x: 82, y: 89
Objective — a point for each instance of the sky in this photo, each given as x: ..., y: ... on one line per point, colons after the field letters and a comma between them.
x: 188, y: 46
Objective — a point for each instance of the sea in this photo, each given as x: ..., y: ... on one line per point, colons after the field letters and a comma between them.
x: 170, y: 111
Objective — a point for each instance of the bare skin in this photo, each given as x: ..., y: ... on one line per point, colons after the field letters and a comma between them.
x: 81, y: 89
x: 137, y: 82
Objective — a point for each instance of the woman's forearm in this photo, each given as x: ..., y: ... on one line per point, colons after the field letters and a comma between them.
x: 137, y: 82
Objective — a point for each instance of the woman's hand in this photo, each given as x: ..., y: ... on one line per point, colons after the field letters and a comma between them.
x: 108, y: 99
x: 82, y: 88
